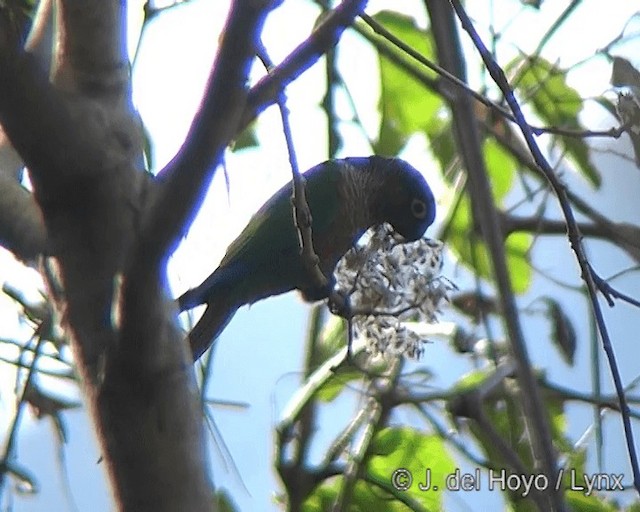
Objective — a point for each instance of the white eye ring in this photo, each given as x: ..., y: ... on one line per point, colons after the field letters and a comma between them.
x: 418, y: 209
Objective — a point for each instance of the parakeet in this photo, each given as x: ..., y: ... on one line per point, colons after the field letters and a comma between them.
x: 346, y: 197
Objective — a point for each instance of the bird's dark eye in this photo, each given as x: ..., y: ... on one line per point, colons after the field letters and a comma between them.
x: 418, y: 209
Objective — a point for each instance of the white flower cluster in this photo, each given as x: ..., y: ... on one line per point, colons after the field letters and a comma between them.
x: 389, y: 283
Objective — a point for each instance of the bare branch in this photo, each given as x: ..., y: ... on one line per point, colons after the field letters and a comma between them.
x: 574, y: 233
x: 91, y: 43
x: 486, y: 214
x: 325, y: 36
x: 81, y: 147
x: 22, y: 228
x: 187, y: 175
x: 40, y: 41
x: 151, y: 360
x: 15, y: 426
x: 301, y: 213
x: 624, y: 235
x: 43, y: 126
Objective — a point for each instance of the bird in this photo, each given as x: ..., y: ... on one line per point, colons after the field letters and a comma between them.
x: 345, y: 197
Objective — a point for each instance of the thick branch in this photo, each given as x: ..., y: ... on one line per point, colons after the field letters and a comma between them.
x: 622, y: 234
x: 21, y: 225
x: 22, y: 228
x: 55, y: 135
x: 81, y: 148
x: 91, y: 46
x: 325, y: 36
x: 185, y: 178
x: 151, y: 367
x: 29, y: 108
x: 150, y: 412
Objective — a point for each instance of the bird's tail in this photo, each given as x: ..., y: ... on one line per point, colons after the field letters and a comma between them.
x: 216, y: 293
x: 215, y: 318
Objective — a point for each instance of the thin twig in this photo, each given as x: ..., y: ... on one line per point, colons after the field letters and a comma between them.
x: 313, y: 383
x: 452, y: 438
x: 373, y: 413
x: 62, y: 374
x: 15, y: 425
x: 601, y: 401
x: 610, y: 291
x: 377, y: 413
x: 302, y: 217
x: 574, y: 233
x: 535, y: 416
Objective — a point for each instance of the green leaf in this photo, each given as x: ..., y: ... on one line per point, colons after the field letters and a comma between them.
x: 634, y: 507
x: 332, y: 338
x: 554, y: 404
x: 501, y: 167
x: 563, y: 333
x: 246, y: 139
x: 474, y: 253
x: 545, y: 88
x: 336, y: 384
x: 224, y: 502
x: 365, y: 498
x: 420, y: 458
x: 400, y: 453
x: 407, y: 105
x: 323, y: 497
x: 471, y: 380
x: 579, y: 502
x: 517, y: 249
x: 443, y: 145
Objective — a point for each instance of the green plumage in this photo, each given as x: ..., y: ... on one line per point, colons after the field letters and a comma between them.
x: 345, y: 197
